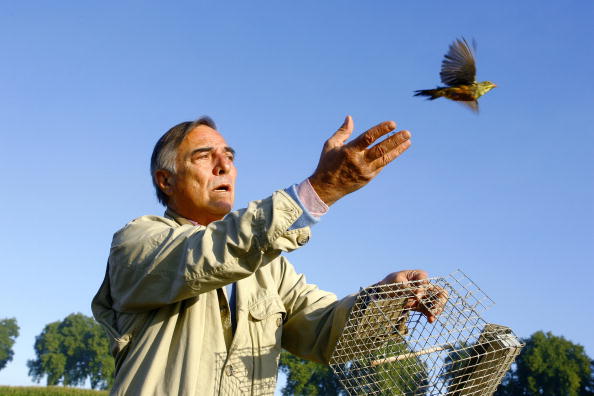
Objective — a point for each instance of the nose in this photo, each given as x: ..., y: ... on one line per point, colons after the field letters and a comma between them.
x: 222, y: 165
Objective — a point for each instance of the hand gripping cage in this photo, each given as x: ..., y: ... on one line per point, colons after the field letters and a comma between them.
x: 387, y: 348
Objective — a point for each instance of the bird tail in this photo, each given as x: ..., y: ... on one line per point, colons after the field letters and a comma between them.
x: 431, y: 93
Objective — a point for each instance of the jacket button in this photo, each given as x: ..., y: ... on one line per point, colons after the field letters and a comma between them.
x: 302, y: 240
x: 229, y: 370
x: 279, y: 322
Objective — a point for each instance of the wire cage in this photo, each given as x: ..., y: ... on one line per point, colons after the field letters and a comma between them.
x: 388, y: 347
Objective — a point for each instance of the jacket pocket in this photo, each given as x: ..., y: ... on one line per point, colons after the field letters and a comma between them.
x: 266, y: 307
x: 266, y: 319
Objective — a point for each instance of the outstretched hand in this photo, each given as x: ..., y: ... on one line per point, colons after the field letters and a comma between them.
x: 344, y: 168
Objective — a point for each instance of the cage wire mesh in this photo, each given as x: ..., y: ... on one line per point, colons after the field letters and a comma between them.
x: 387, y: 347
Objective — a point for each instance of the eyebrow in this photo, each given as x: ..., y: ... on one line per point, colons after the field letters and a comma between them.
x: 210, y: 148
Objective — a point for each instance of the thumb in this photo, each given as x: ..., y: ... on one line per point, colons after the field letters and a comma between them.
x: 343, y: 133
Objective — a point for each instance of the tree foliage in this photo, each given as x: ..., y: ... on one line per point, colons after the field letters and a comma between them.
x: 71, y: 351
x: 549, y: 365
x: 380, y: 374
x: 305, y: 378
x: 9, y: 331
x: 407, y: 376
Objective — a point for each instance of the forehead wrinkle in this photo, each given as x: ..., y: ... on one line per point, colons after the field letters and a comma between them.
x: 210, y: 148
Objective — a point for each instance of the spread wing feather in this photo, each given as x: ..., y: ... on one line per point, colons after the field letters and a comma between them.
x: 472, y: 105
x: 458, y: 66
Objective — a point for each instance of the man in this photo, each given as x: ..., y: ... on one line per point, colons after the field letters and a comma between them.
x: 200, y: 301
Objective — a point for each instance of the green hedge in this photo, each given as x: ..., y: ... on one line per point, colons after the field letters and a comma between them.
x: 48, y: 390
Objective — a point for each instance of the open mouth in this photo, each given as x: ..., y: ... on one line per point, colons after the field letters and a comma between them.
x: 223, y: 188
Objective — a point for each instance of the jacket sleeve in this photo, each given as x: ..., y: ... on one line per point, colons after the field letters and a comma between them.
x: 155, y: 262
x: 315, y: 318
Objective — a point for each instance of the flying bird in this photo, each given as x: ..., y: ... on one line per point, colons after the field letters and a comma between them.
x: 458, y: 73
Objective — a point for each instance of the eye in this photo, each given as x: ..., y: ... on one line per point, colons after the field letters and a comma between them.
x: 200, y: 156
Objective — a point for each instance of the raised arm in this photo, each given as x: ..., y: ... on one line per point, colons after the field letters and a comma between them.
x: 155, y: 261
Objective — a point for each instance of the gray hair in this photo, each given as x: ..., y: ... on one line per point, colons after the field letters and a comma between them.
x: 165, y: 150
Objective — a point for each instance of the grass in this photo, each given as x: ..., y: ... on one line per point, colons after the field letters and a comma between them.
x: 48, y: 390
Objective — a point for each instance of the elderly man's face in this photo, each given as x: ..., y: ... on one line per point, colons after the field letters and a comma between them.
x: 203, y: 188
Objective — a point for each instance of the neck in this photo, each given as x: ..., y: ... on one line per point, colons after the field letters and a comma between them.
x: 196, y: 218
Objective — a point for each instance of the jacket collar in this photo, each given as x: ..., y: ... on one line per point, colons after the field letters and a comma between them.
x: 169, y: 213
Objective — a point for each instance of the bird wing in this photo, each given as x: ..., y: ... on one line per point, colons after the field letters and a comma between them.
x: 472, y: 105
x: 458, y: 66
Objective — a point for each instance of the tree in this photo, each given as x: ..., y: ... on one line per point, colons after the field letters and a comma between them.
x: 405, y: 376
x: 9, y: 331
x: 308, y: 378
x: 589, y: 388
x: 391, y: 370
x: 72, y: 351
x: 549, y: 365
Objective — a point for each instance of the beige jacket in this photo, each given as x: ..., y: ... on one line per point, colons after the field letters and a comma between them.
x: 161, y: 303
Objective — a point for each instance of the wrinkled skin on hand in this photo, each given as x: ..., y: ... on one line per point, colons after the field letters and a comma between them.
x: 346, y: 167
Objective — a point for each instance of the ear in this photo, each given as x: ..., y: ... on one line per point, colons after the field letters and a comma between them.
x: 165, y: 181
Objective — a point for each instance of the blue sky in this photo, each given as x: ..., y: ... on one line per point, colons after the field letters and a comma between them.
x: 507, y: 196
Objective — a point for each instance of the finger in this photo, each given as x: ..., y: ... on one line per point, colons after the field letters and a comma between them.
x: 419, y: 305
x: 342, y: 134
x: 434, y: 302
x: 365, y: 139
x: 387, y: 145
x: 415, y: 275
x: 390, y: 156
x: 439, y: 300
x: 408, y: 275
x: 420, y: 287
x: 428, y: 312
